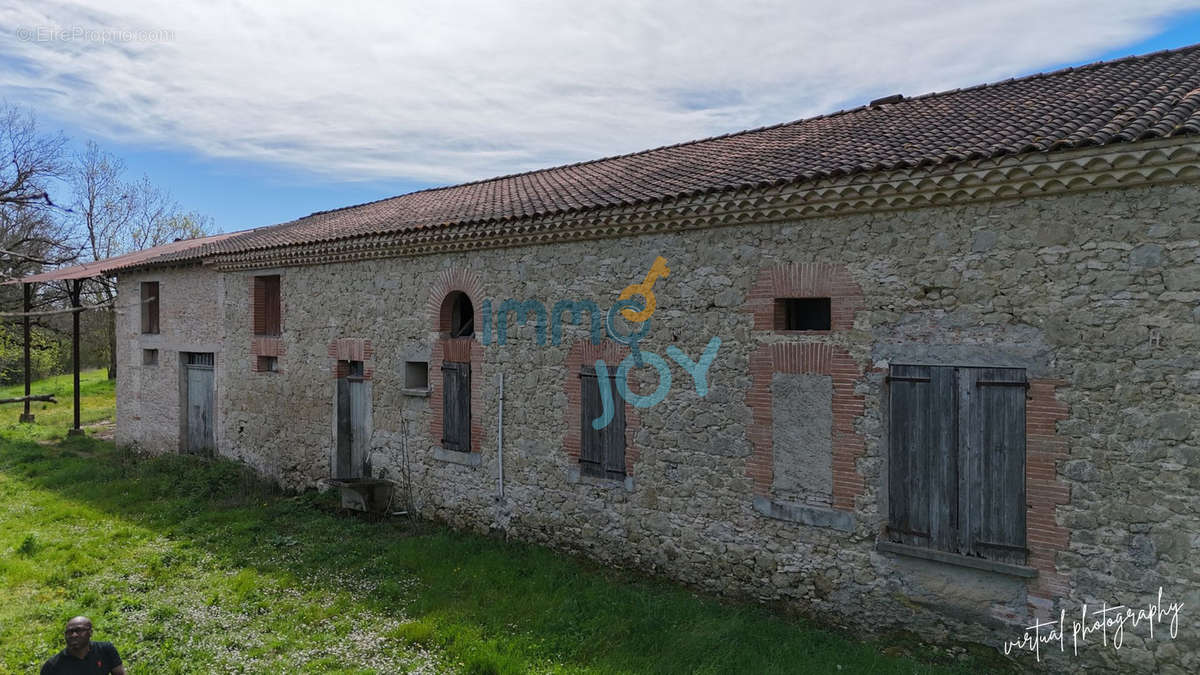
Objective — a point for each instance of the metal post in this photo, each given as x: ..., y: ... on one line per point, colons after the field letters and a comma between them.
x: 27, y: 417
x: 500, y: 438
x: 76, y: 289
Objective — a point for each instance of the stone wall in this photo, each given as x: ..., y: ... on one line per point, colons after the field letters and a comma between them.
x: 1096, y: 295
x: 190, y: 320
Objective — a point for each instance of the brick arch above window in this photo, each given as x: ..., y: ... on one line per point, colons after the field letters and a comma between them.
x: 444, y: 284
x: 805, y: 280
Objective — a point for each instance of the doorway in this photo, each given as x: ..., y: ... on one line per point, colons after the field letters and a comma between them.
x: 353, y: 423
x: 199, y: 437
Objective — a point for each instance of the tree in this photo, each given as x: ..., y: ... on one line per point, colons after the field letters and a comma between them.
x: 33, y: 235
x: 107, y: 217
x: 30, y: 160
x: 115, y: 217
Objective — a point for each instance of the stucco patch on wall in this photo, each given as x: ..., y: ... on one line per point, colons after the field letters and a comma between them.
x: 802, y: 411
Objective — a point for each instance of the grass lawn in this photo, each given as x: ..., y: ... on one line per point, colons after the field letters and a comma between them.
x: 196, y: 567
x: 97, y: 403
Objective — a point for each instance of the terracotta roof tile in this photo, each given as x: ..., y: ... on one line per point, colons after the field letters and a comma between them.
x: 1151, y: 96
x: 177, y: 251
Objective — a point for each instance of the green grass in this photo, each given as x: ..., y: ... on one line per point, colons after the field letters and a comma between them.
x: 97, y: 403
x: 191, y: 566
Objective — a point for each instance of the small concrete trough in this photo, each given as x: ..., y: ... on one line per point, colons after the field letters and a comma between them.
x: 371, y: 495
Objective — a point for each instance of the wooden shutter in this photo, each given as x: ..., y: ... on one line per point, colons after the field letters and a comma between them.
x: 922, y: 462
x: 265, y: 305
x: 271, y: 322
x: 601, y: 452
x: 994, y: 455
x: 352, y: 436
x: 456, y: 406
x: 591, y: 447
x: 956, y: 471
x: 344, y: 435
x: 612, y: 437
x: 149, y: 306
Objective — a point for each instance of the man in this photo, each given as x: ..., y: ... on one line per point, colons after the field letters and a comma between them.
x: 82, y: 656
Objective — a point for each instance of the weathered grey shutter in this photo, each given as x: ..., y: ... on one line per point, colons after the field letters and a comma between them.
x: 601, y: 452
x: 456, y: 406
x: 359, y: 436
x: 591, y: 443
x: 613, y: 437
x: 995, y: 457
x: 922, y: 463
x: 344, y: 434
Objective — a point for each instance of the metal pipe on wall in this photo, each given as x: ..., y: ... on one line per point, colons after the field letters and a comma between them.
x: 500, y: 437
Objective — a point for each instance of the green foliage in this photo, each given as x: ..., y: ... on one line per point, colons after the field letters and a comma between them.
x: 192, y: 565
x: 50, y: 354
x: 97, y: 403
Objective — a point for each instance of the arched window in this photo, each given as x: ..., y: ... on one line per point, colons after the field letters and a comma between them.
x: 458, y: 320
x: 462, y: 315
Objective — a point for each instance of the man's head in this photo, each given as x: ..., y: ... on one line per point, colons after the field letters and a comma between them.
x: 79, y: 632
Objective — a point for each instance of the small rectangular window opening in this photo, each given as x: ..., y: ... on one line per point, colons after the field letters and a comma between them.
x: 803, y: 314
x: 149, y: 357
x: 268, y: 364
x: 416, y: 375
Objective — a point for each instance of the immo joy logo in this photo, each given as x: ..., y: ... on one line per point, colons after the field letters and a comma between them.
x: 634, y: 312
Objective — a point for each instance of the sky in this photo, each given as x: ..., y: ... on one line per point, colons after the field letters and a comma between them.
x: 259, y: 113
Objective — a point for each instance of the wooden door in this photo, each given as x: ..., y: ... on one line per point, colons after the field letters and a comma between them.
x: 353, y: 435
x: 200, y: 436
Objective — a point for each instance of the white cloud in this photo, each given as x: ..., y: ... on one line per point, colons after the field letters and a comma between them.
x: 453, y: 90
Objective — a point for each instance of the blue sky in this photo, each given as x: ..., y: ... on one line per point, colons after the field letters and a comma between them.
x: 255, y: 118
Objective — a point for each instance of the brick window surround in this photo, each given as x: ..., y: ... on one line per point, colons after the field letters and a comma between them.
x: 461, y: 350
x: 345, y: 350
x: 264, y: 345
x: 805, y: 280
x: 817, y: 355
x: 584, y: 353
x: 848, y: 446
x: 1045, y: 492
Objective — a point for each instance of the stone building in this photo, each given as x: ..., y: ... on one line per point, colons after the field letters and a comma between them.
x: 933, y: 362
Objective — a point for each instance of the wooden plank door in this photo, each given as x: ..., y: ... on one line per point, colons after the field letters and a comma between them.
x: 200, y: 438
x: 353, y: 435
